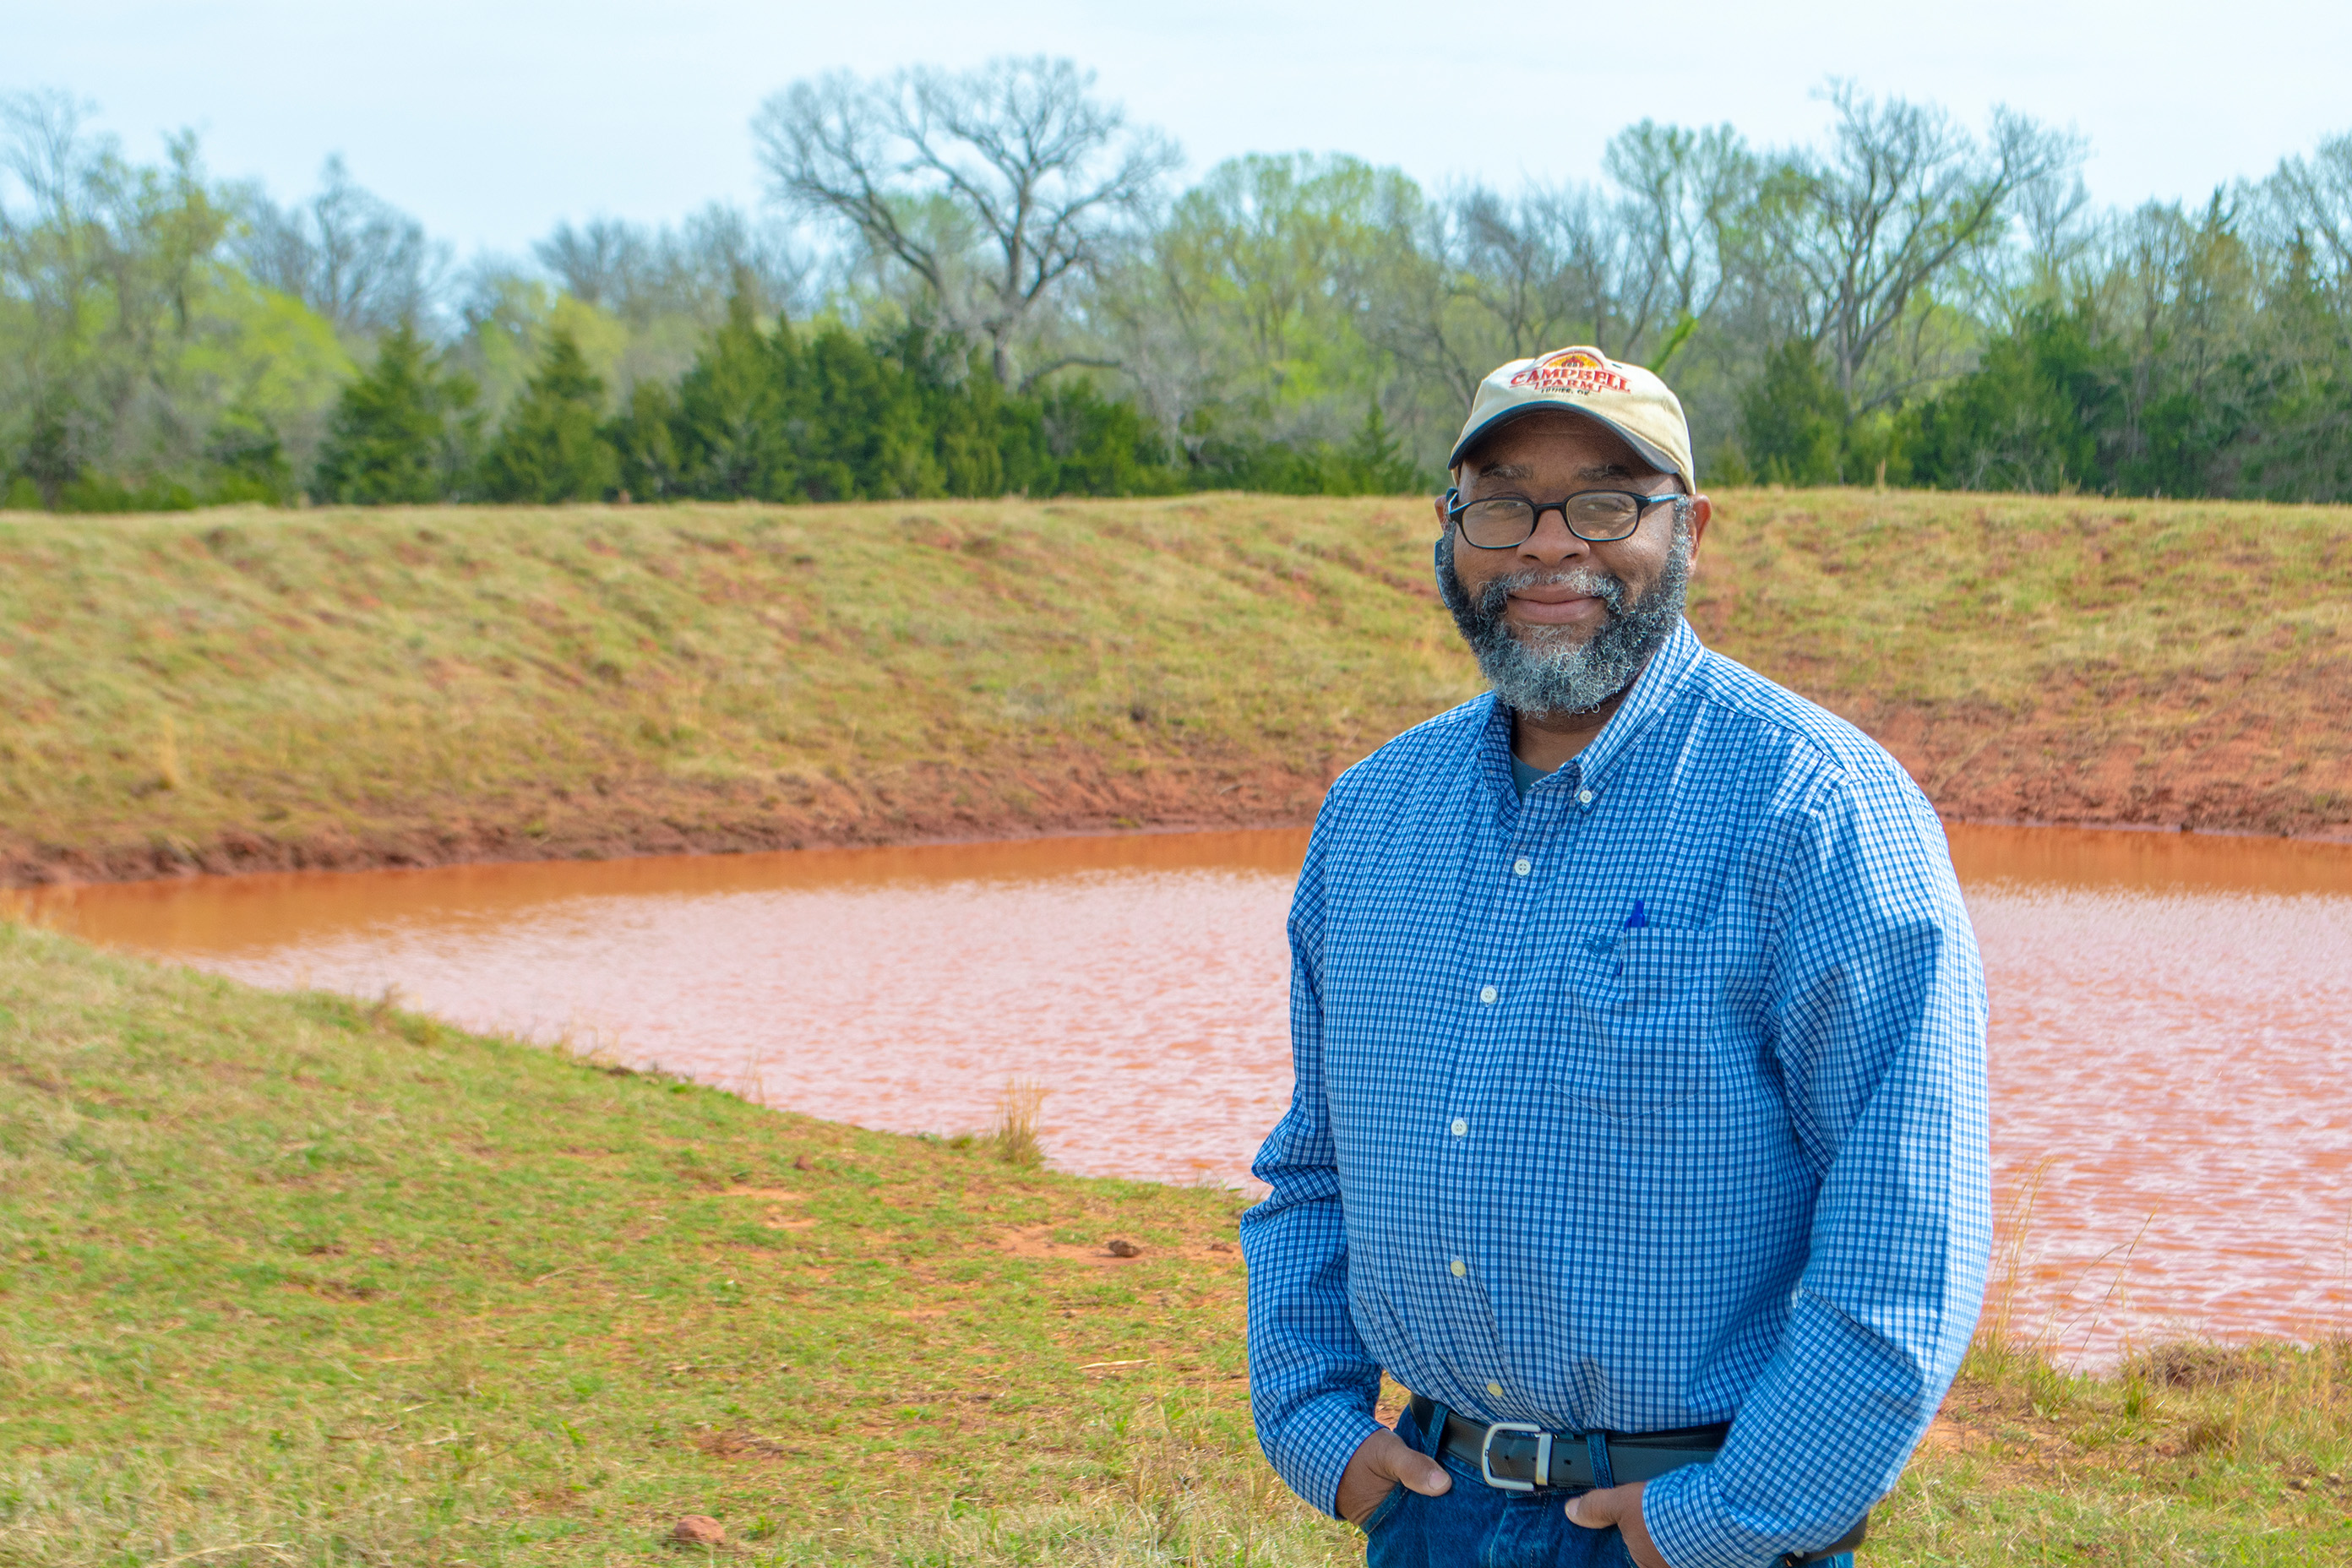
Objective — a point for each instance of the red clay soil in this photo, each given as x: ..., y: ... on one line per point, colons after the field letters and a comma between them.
x: 2202, y: 768
x: 2222, y: 769
x: 909, y: 807
x: 2223, y: 757
x: 2242, y: 775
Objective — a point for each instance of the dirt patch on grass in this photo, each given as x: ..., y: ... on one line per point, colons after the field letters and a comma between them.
x: 1107, y: 1247
x: 1038, y: 1241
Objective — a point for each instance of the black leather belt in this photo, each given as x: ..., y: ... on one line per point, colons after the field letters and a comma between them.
x: 1521, y: 1458
x: 1518, y: 1458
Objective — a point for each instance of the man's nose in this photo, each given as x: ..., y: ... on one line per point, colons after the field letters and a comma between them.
x: 1552, y: 541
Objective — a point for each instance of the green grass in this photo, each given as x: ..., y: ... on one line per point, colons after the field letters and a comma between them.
x: 247, y: 688
x: 295, y: 1279
x: 298, y: 1270
x: 2190, y: 1454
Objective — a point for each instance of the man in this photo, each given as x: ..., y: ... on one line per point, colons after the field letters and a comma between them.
x: 1639, y: 1126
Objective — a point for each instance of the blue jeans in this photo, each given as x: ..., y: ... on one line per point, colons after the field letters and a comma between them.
x: 1479, y: 1526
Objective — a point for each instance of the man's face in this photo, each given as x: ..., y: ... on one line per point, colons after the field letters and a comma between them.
x: 1560, y: 623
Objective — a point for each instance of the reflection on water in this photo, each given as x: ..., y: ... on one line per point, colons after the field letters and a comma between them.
x: 2172, y: 1060
x: 2168, y: 1018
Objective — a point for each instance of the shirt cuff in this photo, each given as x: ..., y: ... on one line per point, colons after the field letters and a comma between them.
x: 1317, y: 1441
x: 1692, y: 1528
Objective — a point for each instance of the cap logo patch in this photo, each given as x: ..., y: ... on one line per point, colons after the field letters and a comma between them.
x: 1572, y: 370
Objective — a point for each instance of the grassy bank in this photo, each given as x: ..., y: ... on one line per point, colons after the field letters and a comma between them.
x: 241, y: 689
x: 296, y: 1280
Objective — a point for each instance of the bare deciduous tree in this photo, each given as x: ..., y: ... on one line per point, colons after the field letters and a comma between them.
x: 348, y: 255
x: 993, y: 187
x: 2313, y: 199
x: 1843, y: 241
x: 1684, y: 193
x: 639, y: 272
x: 1632, y: 271
x: 599, y: 263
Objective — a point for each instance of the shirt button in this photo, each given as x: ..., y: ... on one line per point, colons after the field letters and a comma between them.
x: 1584, y: 797
x: 1522, y: 866
x: 1487, y: 996
x: 1459, y: 1267
x: 1460, y: 1127
x: 1494, y: 1391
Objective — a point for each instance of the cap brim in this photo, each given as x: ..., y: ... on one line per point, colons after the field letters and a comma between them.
x: 1649, y: 453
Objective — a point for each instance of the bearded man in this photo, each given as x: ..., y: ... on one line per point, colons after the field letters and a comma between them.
x: 1639, y: 1124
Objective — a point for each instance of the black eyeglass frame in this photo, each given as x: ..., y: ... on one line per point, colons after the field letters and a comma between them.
x: 1642, y: 502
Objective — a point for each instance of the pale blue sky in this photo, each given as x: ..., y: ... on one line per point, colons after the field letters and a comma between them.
x: 492, y: 119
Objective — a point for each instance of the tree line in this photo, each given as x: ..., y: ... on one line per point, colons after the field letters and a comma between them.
x: 990, y: 281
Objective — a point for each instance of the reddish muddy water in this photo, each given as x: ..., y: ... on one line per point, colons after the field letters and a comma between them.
x: 2169, y: 1019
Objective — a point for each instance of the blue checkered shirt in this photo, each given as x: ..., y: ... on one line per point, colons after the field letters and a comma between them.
x: 1653, y: 1100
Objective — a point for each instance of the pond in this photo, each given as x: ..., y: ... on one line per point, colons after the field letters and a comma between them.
x: 2172, y: 1141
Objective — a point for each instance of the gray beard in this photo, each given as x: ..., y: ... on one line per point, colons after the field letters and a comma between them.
x: 1544, y: 673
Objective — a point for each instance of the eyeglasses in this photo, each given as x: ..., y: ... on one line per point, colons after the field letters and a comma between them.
x: 1597, y: 517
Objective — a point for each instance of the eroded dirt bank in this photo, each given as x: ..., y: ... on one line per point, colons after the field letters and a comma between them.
x: 905, y: 807
x: 2010, y: 778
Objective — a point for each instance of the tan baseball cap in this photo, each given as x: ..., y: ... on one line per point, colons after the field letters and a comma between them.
x: 1626, y: 398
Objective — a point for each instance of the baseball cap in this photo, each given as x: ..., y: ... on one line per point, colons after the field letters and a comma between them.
x: 1629, y: 400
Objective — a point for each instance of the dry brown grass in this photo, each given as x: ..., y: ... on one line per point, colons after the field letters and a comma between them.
x: 248, y: 688
x: 1020, y: 1115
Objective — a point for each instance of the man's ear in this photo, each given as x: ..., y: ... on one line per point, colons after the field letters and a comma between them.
x: 1439, y: 503
x: 1701, y: 509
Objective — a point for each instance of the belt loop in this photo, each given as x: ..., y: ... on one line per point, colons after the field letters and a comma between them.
x: 1433, y: 1437
x: 1596, y: 1443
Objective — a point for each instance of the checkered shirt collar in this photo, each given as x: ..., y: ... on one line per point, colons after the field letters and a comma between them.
x: 1654, y: 689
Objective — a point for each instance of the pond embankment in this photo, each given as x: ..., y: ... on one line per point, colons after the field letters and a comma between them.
x: 248, y: 689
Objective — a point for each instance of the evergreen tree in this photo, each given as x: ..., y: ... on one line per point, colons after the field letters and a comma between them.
x: 860, y: 415
x: 1792, y: 419
x: 1101, y: 447
x: 1372, y: 464
x: 247, y: 459
x: 644, y: 440
x: 2030, y: 416
x: 2301, y: 449
x: 553, y: 446
x: 728, y: 430
x: 970, y: 420
x: 401, y: 433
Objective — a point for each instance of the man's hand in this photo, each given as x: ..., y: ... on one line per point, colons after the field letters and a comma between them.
x: 1381, y: 1463
x: 1619, y: 1506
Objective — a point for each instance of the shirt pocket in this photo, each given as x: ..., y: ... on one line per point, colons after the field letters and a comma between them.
x: 1638, y: 1009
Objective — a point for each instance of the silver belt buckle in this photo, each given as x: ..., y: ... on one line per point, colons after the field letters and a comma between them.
x: 1543, y: 1457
